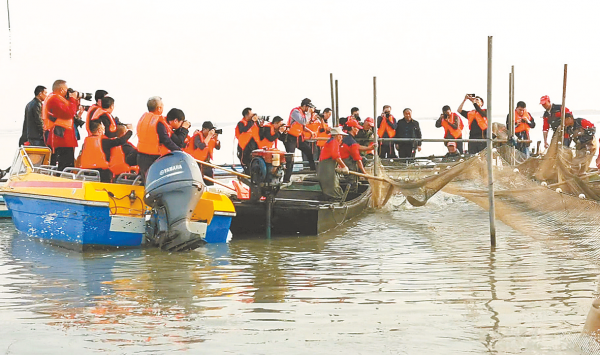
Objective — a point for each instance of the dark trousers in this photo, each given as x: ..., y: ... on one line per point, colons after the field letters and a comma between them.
x: 245, y: 157
x: 206, y: 171
x: 387, y: 150
x: 65, y: 157
x: 406, y: 151
x: 291, y: 144
x: 105, y: 175
x: 144, y: 161
x: 476, y: 147
x: 37, y: 142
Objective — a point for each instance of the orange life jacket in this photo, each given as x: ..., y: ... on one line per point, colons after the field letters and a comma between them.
x: 200, y: 154
x: 92, y: 155
x: 481, y: 121
x: 96, y: 115
x: 48, y: 124
x: 313, y: 126
x: 522, y: 126
x: 148, y: 141
x: 455, y: 132
x: 244, y: 138
x: 90, y: 114
x: 265, y: 143
x: 117, y: 162
x: 296, y: 128
x: 324, y: 134
x: 384, y: 127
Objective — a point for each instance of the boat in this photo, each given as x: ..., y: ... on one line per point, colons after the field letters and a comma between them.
x: 73, y: 209
x: 300, y: 208
x: 4, y: 211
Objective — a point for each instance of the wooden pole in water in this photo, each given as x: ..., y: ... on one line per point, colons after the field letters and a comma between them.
x: 562, y: 109
x: 376, y: 153
x: 492, y: 209
x: 9, y: 34
x: 336, y: 122
x: 332, y: 101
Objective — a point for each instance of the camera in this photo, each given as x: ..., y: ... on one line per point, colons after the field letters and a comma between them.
x: 265, y: 118
x: 82, y: 95
x: 85, y: 107
x: 219, y: 131
x: 445, y: 115
x: 472, y: 95
x: 387, y: 115
x: 318, y: 112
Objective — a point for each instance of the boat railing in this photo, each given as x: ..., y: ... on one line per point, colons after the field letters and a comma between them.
x: 81, y: 174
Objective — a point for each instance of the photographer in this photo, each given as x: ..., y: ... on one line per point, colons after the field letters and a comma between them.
x: 103, y: 114
x: 295, y: 139
x: 478, y: 122
x: 387, y: 129
x: 523, y: 122
x: 453, y: 126
x: 58, y: 114
x: 179, y: 126
x: 247, y: 135
x: 201, y: 146
x: 98, y: 95
x: 269, y: 133
x: 155, y: 134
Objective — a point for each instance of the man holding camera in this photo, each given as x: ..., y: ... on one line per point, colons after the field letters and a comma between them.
x: 33, y: 127
x: 387, y: 129
x: 98, y: 95
x: 269, y: 133
x: 58, y: 113
x: 103, y: 114
x: 453, y: 126
x: 201, y: 146
x: 155, y: 133
x: 478, y: 122
x: 295, y: 139
x: 523, y: 122
x: 248, y: 136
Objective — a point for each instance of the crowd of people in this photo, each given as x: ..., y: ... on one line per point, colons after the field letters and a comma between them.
x: 53, y: 120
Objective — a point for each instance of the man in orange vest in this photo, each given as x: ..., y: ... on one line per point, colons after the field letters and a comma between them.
x: 98, y: 95
x: 478, y: 122
x: 58, y: 113
x: 270, y: 132
x: 103, y: 114
x: 386, y: 124
x: 295, y: 138
x: 453, y: 126
x: 248, y: 135
x: 155, y: 135
x: 201, y: 146
x: 96, y: 150
x: 523, y: 122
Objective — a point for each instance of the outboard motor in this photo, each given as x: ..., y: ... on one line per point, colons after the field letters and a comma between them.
x: 174, y: 186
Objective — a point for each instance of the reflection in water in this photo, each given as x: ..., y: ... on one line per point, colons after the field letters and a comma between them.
x: 402, y: 280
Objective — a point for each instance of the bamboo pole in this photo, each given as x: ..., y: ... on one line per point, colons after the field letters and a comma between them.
x: 336, y: 122
x: 492, y: 209
x: 332, y: 101
x: 217, y: 182
x: 367, y: 176
x: 9, y: 33
x: 375, y: 135
x: 221, y: 168
x: 562, y: 109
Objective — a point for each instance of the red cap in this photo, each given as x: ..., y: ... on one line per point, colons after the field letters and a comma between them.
x: 545, y: 100
x: 370, y: 121
x: 353, y: 123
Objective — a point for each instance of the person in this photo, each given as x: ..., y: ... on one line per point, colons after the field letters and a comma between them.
x: 155, y: 135
x: 582, y: 132
x: 478, y: 122
x: 323, y: 132
x: 350, y: 150
x: 453, y: 153
x: 408, y: 128
x: 201, y: 146
x: 95, y: 153
x: 552, y: 119
x: 123, y: 158
x: 314, y: 124
x: 330, y: 158
x: 354, y: 114
x: 180, y: 127
x: 365, y: 137
x: 453, y: 126
x: 386, y: 124
x: 269, y: 132
x: 33, y: 127
x: 523, y: 122
x: 98, y: 95
x: 104, y: 115
x: 58, y: 114
x: 247, y: 134
x: 295, y: 138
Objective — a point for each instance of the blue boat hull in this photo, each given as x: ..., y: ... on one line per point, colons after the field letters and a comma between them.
x: 218, y: 229
x: 70, y: 224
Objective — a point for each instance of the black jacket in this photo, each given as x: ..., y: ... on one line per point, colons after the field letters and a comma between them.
x: 33, y: 128
x: 406, y: 129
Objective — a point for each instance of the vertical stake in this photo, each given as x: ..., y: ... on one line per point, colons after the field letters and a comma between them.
x: 492, y: 208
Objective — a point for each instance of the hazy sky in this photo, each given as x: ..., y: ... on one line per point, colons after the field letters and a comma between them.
x: 213, y: 58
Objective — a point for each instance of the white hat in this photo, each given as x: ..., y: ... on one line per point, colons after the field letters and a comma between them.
x: 338, y: 130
